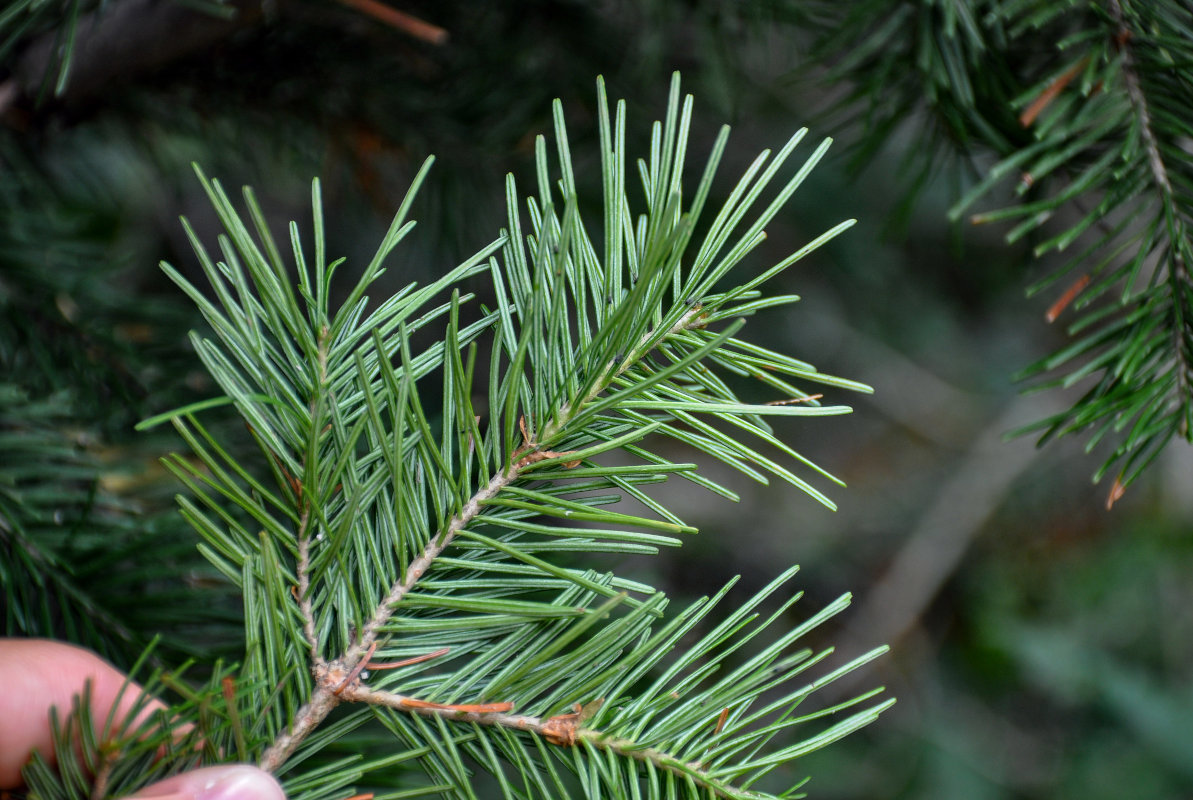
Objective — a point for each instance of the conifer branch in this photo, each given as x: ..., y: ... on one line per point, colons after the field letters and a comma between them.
x: 336, y: 680
x: 371, y: 489
x: 437, y: 545
x: 303, y: 534
x: 332, y: 676
x: 1177, y: 270
x: 303, y: 570
x: 1139, y: 102
x: 691, y: 319
x: 1105, y: 119
x: 693, y: 770
x: 562, y: 730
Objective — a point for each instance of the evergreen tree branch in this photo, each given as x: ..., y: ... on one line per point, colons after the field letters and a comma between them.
x: 21, y: 557
x: 80, y: 503
x: 1174, y: 265
x: 334, y: 676
x: 335, y: 680
x: 693, y: 319
x: 1139, y: 101
x: 303, y: 570
x: 347, y: 553
x: 562, y: 730
x: 1101, y: 90
x: 303, y: 534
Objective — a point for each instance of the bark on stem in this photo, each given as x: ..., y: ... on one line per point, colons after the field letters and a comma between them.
x: 330, y: 678
x: 560, y: 731
x: 335, y: 680
x: 303, y: 568
x: 304, y: 585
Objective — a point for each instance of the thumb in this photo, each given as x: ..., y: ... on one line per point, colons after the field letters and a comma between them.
x: 231, y: 782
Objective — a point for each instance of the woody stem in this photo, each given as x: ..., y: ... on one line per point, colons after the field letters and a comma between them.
x: 325, y: 698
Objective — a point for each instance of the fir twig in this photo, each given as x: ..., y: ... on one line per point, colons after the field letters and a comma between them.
x: 561, y: 729
x: 407, y: 23
x: 1104, y: 114
x: 303, y: 569
x: 1177, y: 270
x: 333, y: 675
x: 588, y: 356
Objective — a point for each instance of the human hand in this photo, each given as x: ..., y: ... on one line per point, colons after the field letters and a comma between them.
x: 36, y: 674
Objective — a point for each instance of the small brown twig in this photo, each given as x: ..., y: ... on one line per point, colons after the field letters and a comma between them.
x: 561, y: 729
x: 404, y: 22
x: 481, y: 713
x: 1062, y: 303
x: 1050, y: 93
x: 414, y: 704
x: 529, y: 453
x: 1116, y: 492
x: 408, y: 661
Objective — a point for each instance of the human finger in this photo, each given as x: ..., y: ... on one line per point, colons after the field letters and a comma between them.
x: 36, y: 674
x: 230, y: 782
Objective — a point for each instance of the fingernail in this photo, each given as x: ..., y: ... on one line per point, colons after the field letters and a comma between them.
x: 241, y: 783
x: 237, y: 782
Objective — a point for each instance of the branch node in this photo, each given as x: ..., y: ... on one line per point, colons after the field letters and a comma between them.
x: 337, y: 676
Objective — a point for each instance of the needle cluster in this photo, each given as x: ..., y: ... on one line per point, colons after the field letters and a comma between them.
x: 424, y: 567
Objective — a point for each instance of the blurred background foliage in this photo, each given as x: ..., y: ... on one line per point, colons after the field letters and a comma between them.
x: 1041, y: 643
